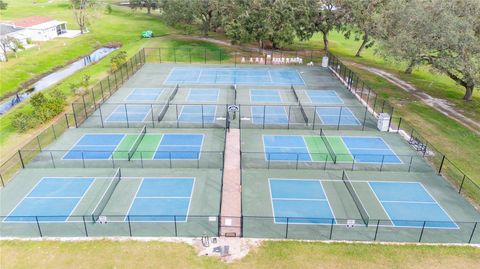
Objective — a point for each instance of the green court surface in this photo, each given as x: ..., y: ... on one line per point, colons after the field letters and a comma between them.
x: 258, y: 216
x: 145, y: 150
x: 203, y: 211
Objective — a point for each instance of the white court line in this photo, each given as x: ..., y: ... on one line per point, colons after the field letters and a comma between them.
x: 102, y: 134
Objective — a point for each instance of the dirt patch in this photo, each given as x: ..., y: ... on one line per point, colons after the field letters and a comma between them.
x: 441, y: 105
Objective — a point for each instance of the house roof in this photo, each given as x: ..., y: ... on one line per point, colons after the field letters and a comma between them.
x: 7, y: 29
x: 31, y: 21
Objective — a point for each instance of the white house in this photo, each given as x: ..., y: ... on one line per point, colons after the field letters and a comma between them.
x: 38, y: 28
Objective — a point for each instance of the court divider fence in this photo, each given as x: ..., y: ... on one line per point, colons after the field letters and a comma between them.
x: 219, y: 56
x: 90, y: 100
x: 252, y: 227
x: 119, y: 159
x: 377, y: 104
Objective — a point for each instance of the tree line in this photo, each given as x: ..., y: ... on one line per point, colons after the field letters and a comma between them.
x: 442, y: 34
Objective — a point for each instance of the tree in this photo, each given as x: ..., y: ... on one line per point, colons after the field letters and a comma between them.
x: 320, y: 16
x: 261, y: 21
x: 81, y: 12
x: 3, y: 5
x: 443, y: 34
x: 362, y: 20
x: 148, y: 4
x: 205, y: 11
x: 174, y: 12
x: 117, y: 61
x: 9, y: 43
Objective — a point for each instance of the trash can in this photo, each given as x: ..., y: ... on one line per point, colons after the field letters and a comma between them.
x: 383, y: 122
x: 325, y: 61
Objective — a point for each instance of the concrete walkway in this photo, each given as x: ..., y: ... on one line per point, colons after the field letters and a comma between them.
x: 231, y: 210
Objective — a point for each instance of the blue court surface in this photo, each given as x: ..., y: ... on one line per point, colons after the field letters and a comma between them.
x: 269, y: 115
x: 362, y: 149
x: 51, y: 200
x: 302, y: 201
x: 265, y: 96
x: 252, y: 76
x: 197, y: 114
x: 409, y: 204
x: 179, y: 147
x: 94, y: 147
x: 370, y: 150
x: 285, y: 148
x: 103, y: 146
x: 328, y: 97
x: 162, y: 200
x: 336, y: 116
x: 130, y: 113
x: 202, y: 95
x: 144, y: 94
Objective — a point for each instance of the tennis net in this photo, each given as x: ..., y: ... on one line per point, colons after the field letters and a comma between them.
x: 174, y: 92
x: 328, y: 146
x: 304, y: 114
x: 356, y: 199
x: 163, y: 111
x: 97, y: 212
x: 137, y: 142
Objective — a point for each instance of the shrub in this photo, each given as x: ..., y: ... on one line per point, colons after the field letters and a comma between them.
x: 117, y: 60
x: 23, y: 121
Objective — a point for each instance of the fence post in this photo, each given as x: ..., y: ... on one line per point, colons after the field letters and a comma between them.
x: 473, y: 232
x: 85, y: 226
x: 410, y: 164
x: 461, y: 184
x: 331, y: 229
x: 1, y: 180
x: 441, y: 165
x: 421, y: 233
x: 376, y: 230
x: 21, y: 158
x: 66, y: 120
x: 175, y: 221
x: 38, y: 226
x: 129, y: 226
x: 53, y: 161
x: 39, y: 144
x: 286, y: 230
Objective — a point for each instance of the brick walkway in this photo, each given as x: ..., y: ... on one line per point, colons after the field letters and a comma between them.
x: 231, y: 210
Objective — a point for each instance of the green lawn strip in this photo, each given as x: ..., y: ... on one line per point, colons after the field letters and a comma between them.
x: 147, y: 147
x: 121, y: 153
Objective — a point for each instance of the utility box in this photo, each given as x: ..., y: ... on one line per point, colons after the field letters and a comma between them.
x: 325, y: 61
x: 383, y: 122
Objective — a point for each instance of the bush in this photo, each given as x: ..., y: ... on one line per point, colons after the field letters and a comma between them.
x: 44, y: 109
x: 117, y: 60
x: 24, y: 121
x: 108, y: 9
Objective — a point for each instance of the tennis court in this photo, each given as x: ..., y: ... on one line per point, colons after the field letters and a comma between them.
x: 52, y: 200
x: 136, y: 146
x: 340, y: 148
x: 269, y: 115
x: 144, y: 95
x: 336, y: 116
x: 265, y: 96
x: 301, y: 201
x: 324, y: 97
x: 202, y: 95
x: 253, y: 76
x: 197, y: 114
x: 409, y: 204
x: 129, y: 113
x: 162, y: 200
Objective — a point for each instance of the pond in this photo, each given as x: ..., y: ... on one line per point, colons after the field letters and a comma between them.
x: 55, y: 77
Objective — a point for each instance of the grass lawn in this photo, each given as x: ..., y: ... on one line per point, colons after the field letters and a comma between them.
x: 129, y: 254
